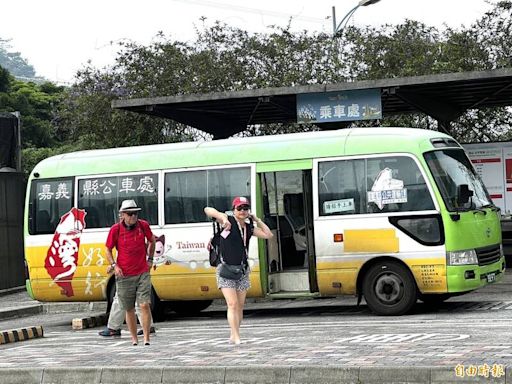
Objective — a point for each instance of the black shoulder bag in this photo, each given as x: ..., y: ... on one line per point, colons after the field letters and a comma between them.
x: 214, y: 245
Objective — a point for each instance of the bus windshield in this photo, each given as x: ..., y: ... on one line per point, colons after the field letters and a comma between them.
x: 451, y: 168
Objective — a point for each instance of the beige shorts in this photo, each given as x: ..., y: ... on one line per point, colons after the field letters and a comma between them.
x: 133, y: 288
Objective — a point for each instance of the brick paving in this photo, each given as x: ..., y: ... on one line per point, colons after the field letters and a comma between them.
x: 445, y: 338
x: 468, y: 331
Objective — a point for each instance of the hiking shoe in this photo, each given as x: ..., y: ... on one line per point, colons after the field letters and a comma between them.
x: 151, y: 330
x: 110, y: 332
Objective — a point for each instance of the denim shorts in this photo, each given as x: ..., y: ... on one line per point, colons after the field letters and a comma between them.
x: 133, y: 288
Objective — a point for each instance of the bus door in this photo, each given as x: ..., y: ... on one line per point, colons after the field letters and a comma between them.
x: 288, y: 211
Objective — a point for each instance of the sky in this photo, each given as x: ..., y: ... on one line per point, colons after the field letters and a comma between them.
x: 58, y: 37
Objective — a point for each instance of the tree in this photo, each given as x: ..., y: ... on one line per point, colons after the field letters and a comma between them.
x: 224, y: 58
x: 494, y: 32
x: 5, y: 80
x: 37, y: 104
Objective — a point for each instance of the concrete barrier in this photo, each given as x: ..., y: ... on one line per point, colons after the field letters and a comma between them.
x: 89, y: 322
x: 146, y: 375
x: 77, y: 375
x: 16, y: 313
x: 21, y: 376
x: 185, y: 375
x: 257, y: 374
x: 21, y: 334
x: 324, y: 374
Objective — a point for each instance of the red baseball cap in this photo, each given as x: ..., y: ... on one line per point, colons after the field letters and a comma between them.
x: 240, y: 200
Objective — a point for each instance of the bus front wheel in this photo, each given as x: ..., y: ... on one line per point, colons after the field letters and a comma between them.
x: 389, y: 289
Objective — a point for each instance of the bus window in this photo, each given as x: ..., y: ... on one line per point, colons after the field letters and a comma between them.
x: 50, y: 200
x: 224, y: 184
x: 384, y: 184
x: 102, y: 196
x: 451, y: 168
x: 400, y: 179
x: 340, y: 187
x: 185, y: 197
x: 187, y: 193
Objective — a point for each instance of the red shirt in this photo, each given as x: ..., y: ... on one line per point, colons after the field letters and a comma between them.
x: 131, y: 247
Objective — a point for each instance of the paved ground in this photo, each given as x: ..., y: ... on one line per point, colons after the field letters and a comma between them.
x: 467, y: 338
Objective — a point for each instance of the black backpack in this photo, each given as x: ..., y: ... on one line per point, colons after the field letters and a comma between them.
x: 215, y: 245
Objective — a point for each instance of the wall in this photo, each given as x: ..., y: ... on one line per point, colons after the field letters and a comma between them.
x: 12, y: 196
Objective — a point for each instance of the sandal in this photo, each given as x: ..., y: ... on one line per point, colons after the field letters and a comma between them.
x: 141, y: 332
x: 107, y: 332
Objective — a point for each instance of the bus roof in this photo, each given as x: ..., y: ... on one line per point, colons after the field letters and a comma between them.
x: 294, y: 146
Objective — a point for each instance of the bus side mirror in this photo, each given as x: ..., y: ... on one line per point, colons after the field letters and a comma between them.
x: 463, y: 194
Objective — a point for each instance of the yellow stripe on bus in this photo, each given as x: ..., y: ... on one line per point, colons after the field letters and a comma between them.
x: 370, y: 240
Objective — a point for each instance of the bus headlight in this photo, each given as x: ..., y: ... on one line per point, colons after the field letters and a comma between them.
x: 462, y: 257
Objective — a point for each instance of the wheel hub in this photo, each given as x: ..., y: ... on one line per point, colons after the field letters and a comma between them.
x: 389, y: 288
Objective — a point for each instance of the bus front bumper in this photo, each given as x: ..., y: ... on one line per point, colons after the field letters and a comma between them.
x: 464, y: 278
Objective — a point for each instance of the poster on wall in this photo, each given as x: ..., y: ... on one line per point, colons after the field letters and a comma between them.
x: 507, y: 157
x: 488, y: 163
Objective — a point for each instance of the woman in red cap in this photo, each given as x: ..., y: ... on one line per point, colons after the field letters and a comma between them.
x: 237, y: 231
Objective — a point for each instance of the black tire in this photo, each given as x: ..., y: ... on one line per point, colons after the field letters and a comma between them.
x: 389, y: 289
x: 190, y: 307
x: 157, y: 307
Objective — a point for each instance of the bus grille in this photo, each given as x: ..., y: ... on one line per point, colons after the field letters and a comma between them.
x: 488, y: 255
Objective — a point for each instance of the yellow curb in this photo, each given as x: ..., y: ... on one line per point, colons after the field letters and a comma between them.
x: 89, y: 322
x: 21, y: 334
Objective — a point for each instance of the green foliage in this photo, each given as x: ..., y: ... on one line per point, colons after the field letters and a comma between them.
x: 37, y: 106
x: 494, y: 32
x: 223, y: 58
x: 409, y: 49
x: 31, y: 156
x: 5, y: 81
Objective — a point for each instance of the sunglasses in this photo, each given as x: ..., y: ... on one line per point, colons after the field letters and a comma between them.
x: 243, y: 208
x: 132, y: 213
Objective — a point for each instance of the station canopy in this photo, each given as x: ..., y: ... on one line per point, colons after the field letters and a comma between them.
x: 444, y: 97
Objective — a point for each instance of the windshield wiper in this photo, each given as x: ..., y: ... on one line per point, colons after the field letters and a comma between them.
x: 492, y: 206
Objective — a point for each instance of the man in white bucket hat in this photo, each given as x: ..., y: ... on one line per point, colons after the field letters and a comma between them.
x: 133, y: 282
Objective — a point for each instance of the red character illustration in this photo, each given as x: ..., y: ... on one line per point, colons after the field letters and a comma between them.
x: 62, y: 256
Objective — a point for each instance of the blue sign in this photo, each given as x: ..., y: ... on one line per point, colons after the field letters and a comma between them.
x: 328, y: 107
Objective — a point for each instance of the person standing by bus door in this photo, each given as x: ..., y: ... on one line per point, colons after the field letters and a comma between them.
x: 133, y: 281
x: 237, y: 231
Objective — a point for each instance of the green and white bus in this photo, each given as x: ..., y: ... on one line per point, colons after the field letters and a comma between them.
x: 391, y: 214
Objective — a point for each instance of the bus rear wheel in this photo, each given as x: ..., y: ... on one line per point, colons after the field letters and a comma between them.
x: 389, y: 289
x: 189, y: 307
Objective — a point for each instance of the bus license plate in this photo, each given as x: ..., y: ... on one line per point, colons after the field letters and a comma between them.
x: 491, y: 277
